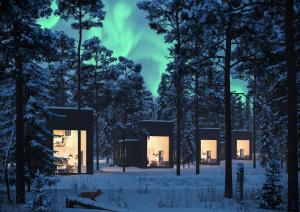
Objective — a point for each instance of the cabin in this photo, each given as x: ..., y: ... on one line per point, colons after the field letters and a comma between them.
x: 209, y: 146
x: 152, y: 149
x: 242, y: 144
x: 72, y: 140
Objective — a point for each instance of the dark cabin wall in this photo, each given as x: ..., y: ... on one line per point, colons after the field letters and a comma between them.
x: 133, y: 153
x: 70, y: 119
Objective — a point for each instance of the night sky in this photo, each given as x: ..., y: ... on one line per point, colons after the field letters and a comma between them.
x: 126, y: 32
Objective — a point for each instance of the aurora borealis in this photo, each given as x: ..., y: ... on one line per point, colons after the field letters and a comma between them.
x: 126, y: 32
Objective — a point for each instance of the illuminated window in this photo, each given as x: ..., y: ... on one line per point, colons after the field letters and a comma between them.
x: 243, y: 149
x: 158, y: 151
x: 65, y: 148
x: 208, y: 151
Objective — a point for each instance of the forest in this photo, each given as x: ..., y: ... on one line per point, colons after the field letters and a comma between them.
x: 210, y: 44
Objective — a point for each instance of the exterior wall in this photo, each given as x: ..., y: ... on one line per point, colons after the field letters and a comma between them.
x: 70, y: 119
x: 211, y: 134
x: 241, y: 135
x: 157, y: 128
x: 133, y: 153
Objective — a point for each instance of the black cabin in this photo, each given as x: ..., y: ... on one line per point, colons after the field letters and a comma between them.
x: 153, y: 149
x: 72, y: 155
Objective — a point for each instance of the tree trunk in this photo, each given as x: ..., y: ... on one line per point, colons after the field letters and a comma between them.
x: 20, y: 178
x: 124, y: 141
x: 198, y: 145
x: 79, y: 89
x: 254, y: 121
x: 178, y: 124
x: 97, y: 143
x: 178, y: 79
x: 228, y: 165
x: 7, y: 183
x: 293, y: 195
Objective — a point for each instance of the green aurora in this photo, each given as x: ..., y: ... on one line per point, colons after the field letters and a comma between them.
x: 126, y: 32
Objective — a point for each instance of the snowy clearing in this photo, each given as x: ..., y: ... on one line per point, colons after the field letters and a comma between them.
x: 161, y: 190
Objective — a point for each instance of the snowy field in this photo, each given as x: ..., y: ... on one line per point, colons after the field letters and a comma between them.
x: 160, y: 189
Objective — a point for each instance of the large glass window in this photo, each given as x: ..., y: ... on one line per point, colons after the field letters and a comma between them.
x: 158, y: 151
x: 65, y: 148
x: 243, y: 149
x: 208, y: 151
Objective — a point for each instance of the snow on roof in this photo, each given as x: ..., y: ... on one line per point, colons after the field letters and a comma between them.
x: 70, y: 108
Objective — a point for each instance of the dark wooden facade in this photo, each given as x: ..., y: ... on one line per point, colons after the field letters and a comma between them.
x: 71, y: 119
x: 136, y: 148
x: 133, y: 151
x: 237, y: 135
x: 210, y: 134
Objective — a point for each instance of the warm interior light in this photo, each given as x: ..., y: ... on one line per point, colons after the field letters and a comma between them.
x: 243, y: 148
x: 83, y: 151
x: 158, y: 151
x: 208, y: 150
x: 65, y: 148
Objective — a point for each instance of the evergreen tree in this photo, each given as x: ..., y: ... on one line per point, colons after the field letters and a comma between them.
x: 266, y: 139
x: 164, y: 100
x: 60, y: 70
x: 166, y: 17
x: 98, y: 62
x: 36, y: 98
x: 129, y: 85
x: 22, y: 40
x: 38, y: 199
x: 85, y: 15
x: 271, y: 191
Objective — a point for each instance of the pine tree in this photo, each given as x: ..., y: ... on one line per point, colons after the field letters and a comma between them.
x: 98, y: 63
x: 271, y: 191
x: 23, y: 36
x: 165, y: 97
x: 129, y: 84
x: 85, y: 15
x: 166, y: 17
x: 36, y: 97
x: 60, y: 70
x: 38, y: 199
x: 266, y: 139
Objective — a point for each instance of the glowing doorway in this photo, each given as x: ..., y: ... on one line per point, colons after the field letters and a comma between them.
x: 208, y: 151
x: 243, y: 149
x: 158, y: 151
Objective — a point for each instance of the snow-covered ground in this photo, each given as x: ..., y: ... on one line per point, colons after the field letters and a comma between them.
x: 161, y: 190
x: 144, y: 190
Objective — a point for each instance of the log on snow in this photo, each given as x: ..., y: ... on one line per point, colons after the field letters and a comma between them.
x: 71, y: 202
